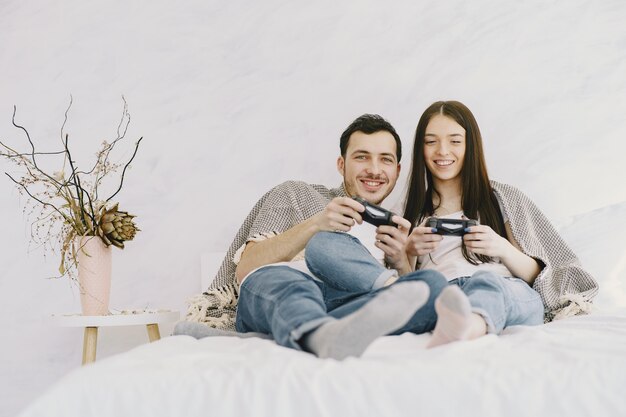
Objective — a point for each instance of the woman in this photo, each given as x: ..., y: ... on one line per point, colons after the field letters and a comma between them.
x: 491, y: 276
x: 502, y: 272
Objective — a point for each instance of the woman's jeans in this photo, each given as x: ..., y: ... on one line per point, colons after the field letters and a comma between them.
x: 286, y: 303
x: 340, y: 261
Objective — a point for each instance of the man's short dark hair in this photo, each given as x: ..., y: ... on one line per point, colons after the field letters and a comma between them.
x: 368, y: 124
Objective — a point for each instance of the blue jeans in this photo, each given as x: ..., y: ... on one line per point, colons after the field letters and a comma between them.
x: 286, y: 303
x: 342, y: 262
x: 502, y: 301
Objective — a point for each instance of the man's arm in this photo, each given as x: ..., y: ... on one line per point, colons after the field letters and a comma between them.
x: 283, y: 247
x: 339, y: 214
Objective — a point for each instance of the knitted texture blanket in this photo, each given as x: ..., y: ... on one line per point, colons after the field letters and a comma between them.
x: 565, y: 287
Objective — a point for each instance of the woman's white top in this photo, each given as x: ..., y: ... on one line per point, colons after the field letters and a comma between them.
x: 448, y: 258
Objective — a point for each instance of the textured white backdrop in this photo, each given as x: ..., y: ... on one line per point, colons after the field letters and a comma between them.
x: 234, y: 97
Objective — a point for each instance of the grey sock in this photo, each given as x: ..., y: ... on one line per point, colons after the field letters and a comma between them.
x: 199, y: 331
x: 385, y: 313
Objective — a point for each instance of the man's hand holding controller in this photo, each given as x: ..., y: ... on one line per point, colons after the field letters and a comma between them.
x: 338, y: 215
x: 391, y: 234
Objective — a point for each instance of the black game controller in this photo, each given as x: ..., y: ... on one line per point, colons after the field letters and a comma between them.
x: 450, y: 227
x: 375, y: 215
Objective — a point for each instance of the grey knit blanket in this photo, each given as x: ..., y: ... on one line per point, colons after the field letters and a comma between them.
x: 565, y: 287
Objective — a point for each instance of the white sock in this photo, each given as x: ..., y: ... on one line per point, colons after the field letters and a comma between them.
x: 454, y: 314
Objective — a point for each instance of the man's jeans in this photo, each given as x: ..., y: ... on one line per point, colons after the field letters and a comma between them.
x: 342, y: 262
x: 286, y: 303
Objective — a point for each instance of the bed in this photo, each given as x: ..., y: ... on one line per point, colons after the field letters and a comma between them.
x: 570, y: 367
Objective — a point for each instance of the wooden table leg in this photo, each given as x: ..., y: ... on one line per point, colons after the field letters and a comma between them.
x: 90, y: 341
x: 153, y: 332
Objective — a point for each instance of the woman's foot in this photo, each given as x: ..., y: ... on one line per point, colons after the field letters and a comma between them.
x: 454, y: 317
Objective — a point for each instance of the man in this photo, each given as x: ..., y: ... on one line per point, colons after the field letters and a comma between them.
x: 280, y: 297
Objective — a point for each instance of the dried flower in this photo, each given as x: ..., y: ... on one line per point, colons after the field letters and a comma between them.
x: 115, y: 226
x: 68, y: 206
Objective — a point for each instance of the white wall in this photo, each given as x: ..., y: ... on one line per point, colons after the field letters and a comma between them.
x: 234, y: 97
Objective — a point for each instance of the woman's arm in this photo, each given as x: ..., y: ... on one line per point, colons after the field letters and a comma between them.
x: 484, y: 241
x: 520, y: 264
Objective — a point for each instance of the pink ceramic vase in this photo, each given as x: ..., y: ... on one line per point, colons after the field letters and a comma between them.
x: 94, y: 275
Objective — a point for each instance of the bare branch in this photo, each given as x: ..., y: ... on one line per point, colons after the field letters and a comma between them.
x: 32, y: 145
x: 67, y: 110
x: 20, y: 155
x: 65, y: 119
x: 79, y: 190
x: 124, y: 171
x: 124, y: 113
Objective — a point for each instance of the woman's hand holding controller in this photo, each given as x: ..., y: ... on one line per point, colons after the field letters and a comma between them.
x: 422, y: 240
x: 483, y: 240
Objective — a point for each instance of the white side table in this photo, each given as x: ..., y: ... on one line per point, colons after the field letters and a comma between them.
x: 91, y: 324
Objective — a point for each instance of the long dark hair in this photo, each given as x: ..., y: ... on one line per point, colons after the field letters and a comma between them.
x: 477, y: 198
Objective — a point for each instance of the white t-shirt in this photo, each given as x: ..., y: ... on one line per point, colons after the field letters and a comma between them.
x: 365, y: 232
x: 448, y: 258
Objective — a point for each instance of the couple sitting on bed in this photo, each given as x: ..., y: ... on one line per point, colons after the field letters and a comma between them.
x: 315, y: 277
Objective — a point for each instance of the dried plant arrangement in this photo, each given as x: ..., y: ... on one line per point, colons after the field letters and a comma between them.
x: 64, y: 203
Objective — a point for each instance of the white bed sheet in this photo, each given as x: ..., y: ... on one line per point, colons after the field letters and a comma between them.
x: 572, y: 367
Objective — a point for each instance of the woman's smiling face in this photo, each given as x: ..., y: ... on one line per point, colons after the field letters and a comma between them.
x: 444, y: 148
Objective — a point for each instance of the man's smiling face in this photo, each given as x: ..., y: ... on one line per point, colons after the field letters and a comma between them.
x: 370, y: 167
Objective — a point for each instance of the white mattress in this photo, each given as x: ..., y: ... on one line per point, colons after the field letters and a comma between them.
x: 573, y: 367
